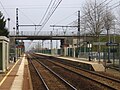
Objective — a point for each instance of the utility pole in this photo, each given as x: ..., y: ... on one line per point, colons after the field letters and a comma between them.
x: 8, y: 24
x: 51, y: 43
x: 78, y: 40
x: 17, y: 32
x: 17, y: 26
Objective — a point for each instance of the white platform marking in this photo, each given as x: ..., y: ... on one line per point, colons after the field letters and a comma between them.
x: 18, y: 81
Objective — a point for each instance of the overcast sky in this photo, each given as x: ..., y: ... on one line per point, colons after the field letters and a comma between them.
x: 32, y: 11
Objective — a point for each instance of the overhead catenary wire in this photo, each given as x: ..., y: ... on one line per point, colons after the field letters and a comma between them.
x: 45, y: 15
x: 50, y: 13
x: 26, y: 16
x: 46, y: 11
x: 63, y: 27
x: 66, y: 17
x: 111, y: 8
x: 4, y: 8
x: 53, y: 6
x: 99, y: 4
x: 6, y: 12
x: 96, y: 7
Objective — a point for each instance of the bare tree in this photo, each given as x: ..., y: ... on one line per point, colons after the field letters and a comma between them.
x: 108, y: 20
x: 117, y: 28
x: 97, y: 17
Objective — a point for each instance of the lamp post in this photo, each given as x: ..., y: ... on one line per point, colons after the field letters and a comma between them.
x: 56, y: 42
x: 89, y: 49
x: 15, y: 52
x: 51, y: 43
x: 8, y: 24
x: 108, y: 33
x: 114, y: 46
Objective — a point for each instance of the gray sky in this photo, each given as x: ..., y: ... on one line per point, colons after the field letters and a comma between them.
x: 32, y: 11
x: 35, y: 9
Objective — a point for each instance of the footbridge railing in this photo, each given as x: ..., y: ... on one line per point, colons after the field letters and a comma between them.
x: 43, y: 33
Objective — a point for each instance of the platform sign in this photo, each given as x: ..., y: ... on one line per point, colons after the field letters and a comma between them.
x: 112, y: 44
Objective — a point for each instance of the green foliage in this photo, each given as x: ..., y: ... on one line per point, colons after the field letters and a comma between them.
x: 3, y: 30
x: 113, y: 38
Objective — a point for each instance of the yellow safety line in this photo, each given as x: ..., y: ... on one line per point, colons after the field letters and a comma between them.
x: 8, y: 73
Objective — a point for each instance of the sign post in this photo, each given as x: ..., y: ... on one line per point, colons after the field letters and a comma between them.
x: 110, y: 44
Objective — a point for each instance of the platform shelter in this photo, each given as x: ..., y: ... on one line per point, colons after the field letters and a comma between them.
x: 4, y: 53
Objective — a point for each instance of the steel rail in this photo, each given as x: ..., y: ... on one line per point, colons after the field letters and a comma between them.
x: 100, y: 75
x: 71, y: 86
x: 89, y: 78
x: 92, y: 72
x: 40, y: 76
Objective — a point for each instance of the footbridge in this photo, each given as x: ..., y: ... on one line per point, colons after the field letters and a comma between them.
x: 48, y: 35
x: 43, y: 35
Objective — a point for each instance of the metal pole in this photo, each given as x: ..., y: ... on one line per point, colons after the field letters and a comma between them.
x: 38, y: 46
x: 119, y: 56
x: 17, y: 26
x: 114, y: 46
x: 56, y: 43
x: 42, y: 46
x: 99, y: 48
x: 108, y: 47
x: 17, y: 31
x: 14, y: 44
x: 51, y: 42
x: 78, y: 41
x: 9, y: 24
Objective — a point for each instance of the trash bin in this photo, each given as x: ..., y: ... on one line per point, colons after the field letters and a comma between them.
x: 89, y: 58
x: 14, y: 59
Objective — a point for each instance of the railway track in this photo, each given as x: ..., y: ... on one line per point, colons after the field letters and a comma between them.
x: 115, y: 68
x: 50, y: 80
x: 105, y: 81
x: 108, y: 82
x: 37, y: 84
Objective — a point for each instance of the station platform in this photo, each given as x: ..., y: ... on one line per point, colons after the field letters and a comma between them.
x: 82, y: 62
x: 17, y: 77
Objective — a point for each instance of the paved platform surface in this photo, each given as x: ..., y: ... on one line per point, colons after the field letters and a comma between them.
x: 17, y: 77
x: 107, y: 70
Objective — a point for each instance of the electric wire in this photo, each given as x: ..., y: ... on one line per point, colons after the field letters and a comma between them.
x: 26, y: 16
x: 113, y: 7
x: 96, y: 7
x: 4, y: 8
x: 43, y: 17
x: 50, y: 13
x: 6, y: 12
x: 66, y: 17
x: 45, y: 13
